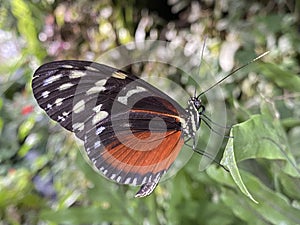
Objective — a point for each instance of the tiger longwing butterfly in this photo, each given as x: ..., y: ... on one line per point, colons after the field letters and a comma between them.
x: 132, y: 132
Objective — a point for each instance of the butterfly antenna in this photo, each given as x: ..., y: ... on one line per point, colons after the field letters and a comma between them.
x: 195, y: 92
x: 201, y: 58
x: 202, y: 51
x: 234, y: 71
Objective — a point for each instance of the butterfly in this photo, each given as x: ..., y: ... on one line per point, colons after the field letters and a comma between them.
x: 132, y: 132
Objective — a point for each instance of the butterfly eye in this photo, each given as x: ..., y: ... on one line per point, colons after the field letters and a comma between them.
x: 198, y: 104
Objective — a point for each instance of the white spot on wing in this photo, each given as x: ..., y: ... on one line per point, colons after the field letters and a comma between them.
x: 78, y: 126
x: 65, y: 113
x: 113, y: 176
x: 79, y: 106
x: 134, y: 182
x: 99, y: 116
x: 118, y: 179
x: 127, y: 181
x: 97, y: 145
x: 76, y: 74
x: 45, y: 94
x: 65, y: 86
x: 61, y: 118
x: 51, y: 79
x: 99, y: 130
x: 58, y: 101
x: 88, y: 150
x: 49, y: 106
x: 144, y: 180
x: 97, y: 108
x: 91, y: 68
x: 124, y: 99
x: 99, y: 86
x: 95, y: 90
x: 119, y: 75
x: 67, y: 66
x: 101, y: 82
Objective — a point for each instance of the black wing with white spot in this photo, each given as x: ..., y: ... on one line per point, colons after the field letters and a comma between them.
x: 131, y: 131
x: 70, y: 91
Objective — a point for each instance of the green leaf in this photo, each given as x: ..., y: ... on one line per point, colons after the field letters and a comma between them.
x: 263, y: 137
x: 290, y: 122
x: 290, y: 185
x: 26, y: 127
x: 228, y: 161
x: 273, y: 208
x: 273, y: 22
x: 282, y: 78
x: 26, y: 26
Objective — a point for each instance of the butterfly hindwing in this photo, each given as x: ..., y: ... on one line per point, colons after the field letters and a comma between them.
x: 136, y: 151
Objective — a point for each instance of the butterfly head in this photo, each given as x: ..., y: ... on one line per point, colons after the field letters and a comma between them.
x: 198, y: 105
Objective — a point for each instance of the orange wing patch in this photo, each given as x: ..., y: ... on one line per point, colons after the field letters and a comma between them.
x: 153, y: 152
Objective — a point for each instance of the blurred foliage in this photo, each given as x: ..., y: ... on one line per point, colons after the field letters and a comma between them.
x: 45, y: 180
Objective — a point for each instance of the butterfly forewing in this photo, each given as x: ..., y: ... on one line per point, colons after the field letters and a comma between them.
x: 68, y: 90
x: 131, y: 131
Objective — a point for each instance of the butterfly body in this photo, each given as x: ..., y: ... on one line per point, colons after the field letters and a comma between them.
x: 132, y: 132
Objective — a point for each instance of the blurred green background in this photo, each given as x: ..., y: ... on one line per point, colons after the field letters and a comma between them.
x: 43, y: 176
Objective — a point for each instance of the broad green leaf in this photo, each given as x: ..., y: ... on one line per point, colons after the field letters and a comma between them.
x: 272, y: 208
x: 221, y: 176
x: 229, y: 162
x: 282, y: 78
x: 255, y: 139
x: 261, y: 137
